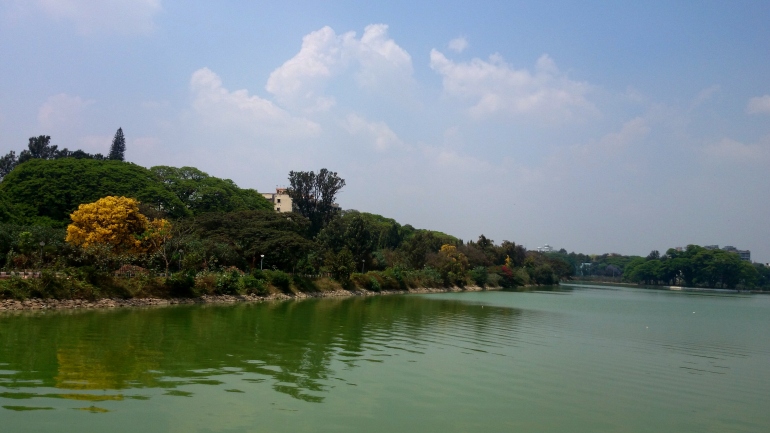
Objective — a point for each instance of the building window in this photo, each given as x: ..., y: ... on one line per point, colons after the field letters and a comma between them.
x: 279, y: 200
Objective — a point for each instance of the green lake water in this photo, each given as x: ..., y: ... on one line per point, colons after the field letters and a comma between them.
x: 569, y: 359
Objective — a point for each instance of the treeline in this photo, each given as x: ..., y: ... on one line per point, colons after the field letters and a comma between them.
x: 694, y: 266
x: 40, y: 147
x: 214, y: 237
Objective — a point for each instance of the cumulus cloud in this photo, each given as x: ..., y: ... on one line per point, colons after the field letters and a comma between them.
x: 458, y: 45
x: 495, y: 87
x: 759, y: 105
x: 61, y: 111
x: 219, y: 107
x: 104, y: 16
x: 378, y: 63
x: 378, y: 134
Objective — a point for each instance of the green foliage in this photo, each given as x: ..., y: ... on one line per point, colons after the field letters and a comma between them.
x: 118, y: 147
x: 181, y: 285
x: 544, y: 275
x: 340, y: 265
x: 280, y: 280
x: 313, y: 196
x: 479, y: 275
x: 48, y: 191
x: 253, y: 286
x: 227, y: 282
x: 240, y: 238
x: 201, y: 193
x: 7, y: 163
x: 694, y: 266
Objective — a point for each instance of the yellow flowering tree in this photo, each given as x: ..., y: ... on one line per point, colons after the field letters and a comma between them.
x: 116, y: 223
x: 452, y: 264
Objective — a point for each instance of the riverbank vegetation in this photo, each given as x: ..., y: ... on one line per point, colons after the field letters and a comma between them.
x: 74, y: 225
x: 692, y: 266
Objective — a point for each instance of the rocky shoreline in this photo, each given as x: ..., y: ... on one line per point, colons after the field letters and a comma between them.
x: 112, y: 303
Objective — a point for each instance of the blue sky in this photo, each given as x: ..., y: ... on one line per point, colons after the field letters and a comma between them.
x: 593, y: 126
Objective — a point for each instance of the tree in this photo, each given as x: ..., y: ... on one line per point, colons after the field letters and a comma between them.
x: 118, y: 148
x: 313, y: 196
x: 114, y: 222
x: 156, y: 237
x: 241, y: 238
x: 38, y: 148
x: 202, y: 193
x: 47, y: 192
x: 7, y: 163
x: 452, y: 265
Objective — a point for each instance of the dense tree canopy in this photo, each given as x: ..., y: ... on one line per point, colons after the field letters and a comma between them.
x: 241, y: 238
x: 202, y: 193
x: 693, y: 266
x: 48, y: 191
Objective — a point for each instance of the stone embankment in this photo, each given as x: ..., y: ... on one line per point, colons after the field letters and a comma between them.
x: 84, y: 304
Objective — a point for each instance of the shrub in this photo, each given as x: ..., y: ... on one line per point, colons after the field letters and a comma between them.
x: 493, y: 280
x: 252, y: 285
x: 15, y: 288
x: 227, y: 282
x: 374, y: 285
x: 181, y: 285
x: 479, y: 275
x: 205, y: 282
x: 279, y: 280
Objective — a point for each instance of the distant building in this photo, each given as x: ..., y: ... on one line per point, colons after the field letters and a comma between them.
x: 743, y: 254
x: 545, y: 249
x: 280, y: 199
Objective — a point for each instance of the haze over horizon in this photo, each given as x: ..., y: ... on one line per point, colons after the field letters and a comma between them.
x: 592, y: 127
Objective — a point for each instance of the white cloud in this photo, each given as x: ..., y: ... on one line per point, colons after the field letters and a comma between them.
x: 759, y: 105
x: 611, y: 144
x: 458, y: 45
x: 380, y: 64
x: 376, y: 133
x: 104, y: 16
x: 732, y: 151
x: 494, y: 86
x: 218, y: 107
x: 61, y: 111
x: 704, y: 95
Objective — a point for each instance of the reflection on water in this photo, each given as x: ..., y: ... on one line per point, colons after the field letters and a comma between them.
x: 609, y: 358
x: 290, y: 344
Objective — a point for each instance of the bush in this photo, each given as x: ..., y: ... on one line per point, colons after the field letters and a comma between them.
x: 279, y: 280
x: 493, y: 280
x: 544, y: 274
x: 479, y: 275
x: 15, y: 288
x: 253, y: 286
x: 227, y: 283
x: 181, y: 285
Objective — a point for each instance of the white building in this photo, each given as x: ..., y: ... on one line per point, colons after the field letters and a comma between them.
x: 280, y: 199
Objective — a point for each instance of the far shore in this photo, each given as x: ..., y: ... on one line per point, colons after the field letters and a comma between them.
x: 38, y: 304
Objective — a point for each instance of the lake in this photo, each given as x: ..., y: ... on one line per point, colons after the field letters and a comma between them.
x: 560, y: 359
